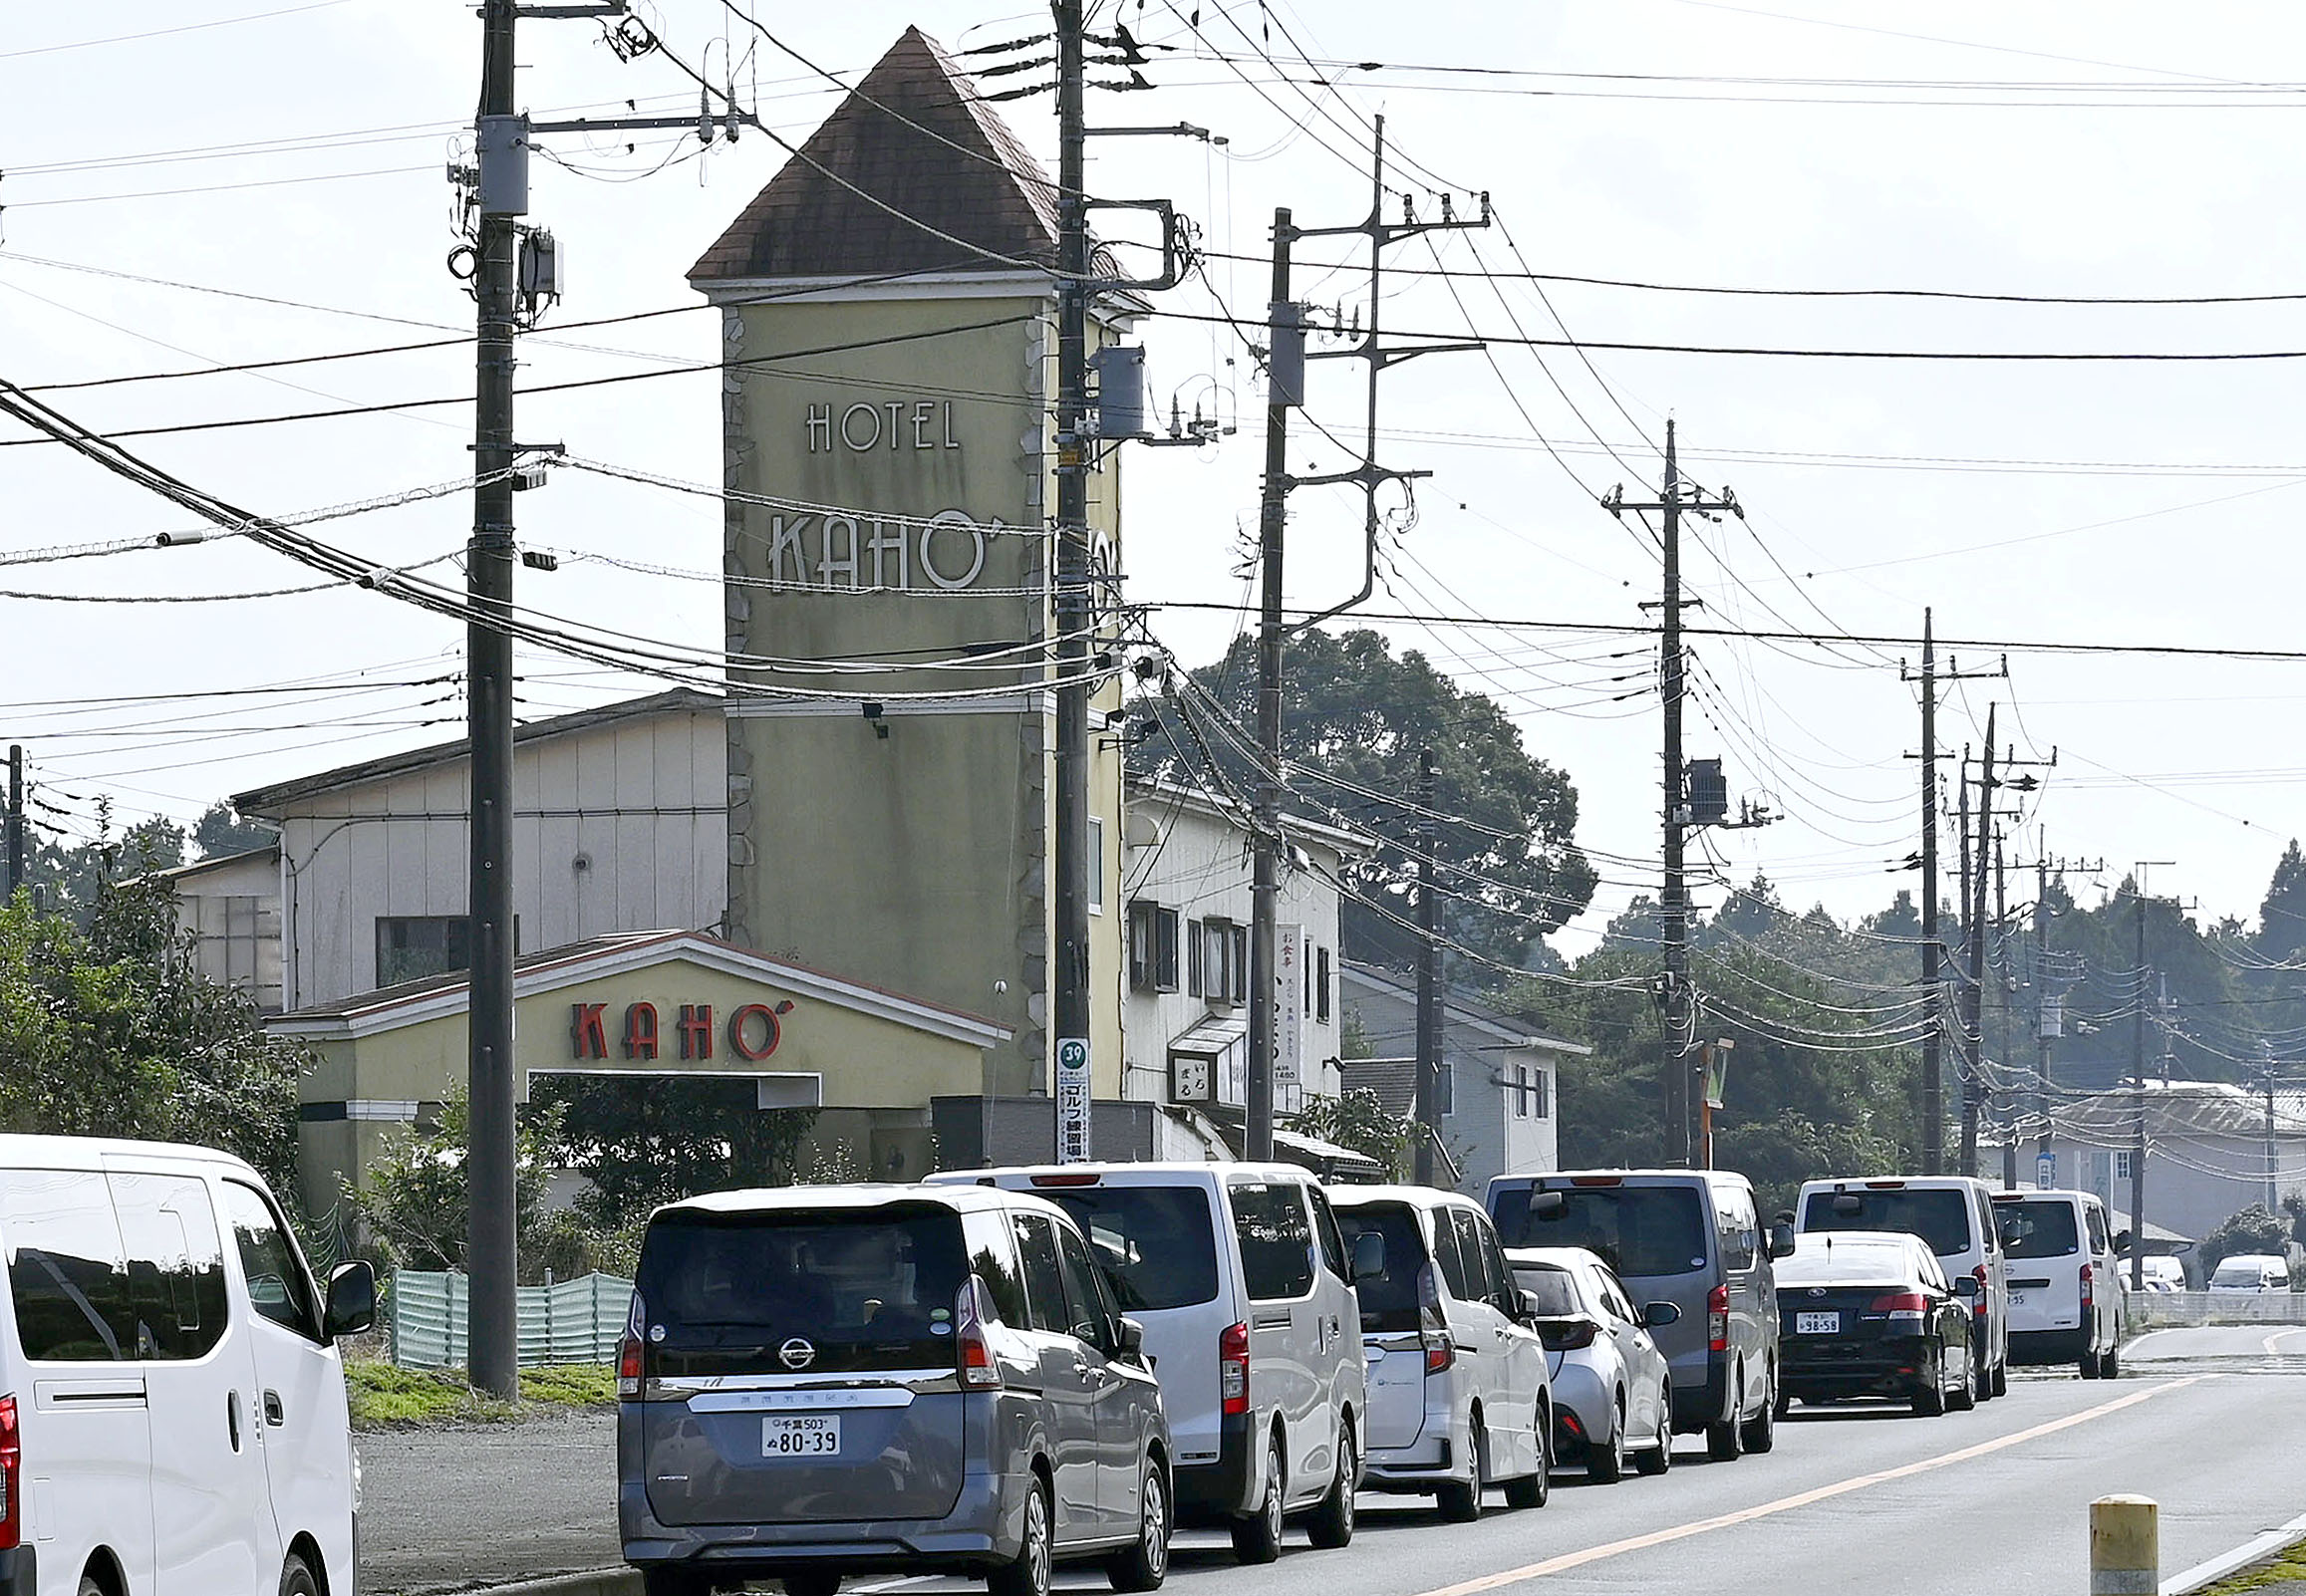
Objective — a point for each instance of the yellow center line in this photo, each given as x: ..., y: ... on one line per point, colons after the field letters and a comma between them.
x: 1746, y: 1515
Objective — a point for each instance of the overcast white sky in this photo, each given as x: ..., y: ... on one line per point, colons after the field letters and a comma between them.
x: 2109, y: 150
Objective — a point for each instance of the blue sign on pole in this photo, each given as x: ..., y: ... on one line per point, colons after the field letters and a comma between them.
x: 2045, y: 1171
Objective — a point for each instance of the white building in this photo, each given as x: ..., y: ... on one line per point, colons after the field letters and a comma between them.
x: 1498, y: 1079
x: 231, y: 907
x: 2205, y: 1150
x: 620, y: 824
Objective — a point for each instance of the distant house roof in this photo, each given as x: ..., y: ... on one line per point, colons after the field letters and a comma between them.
x: 1502, y: 1030
x: 2199, y: 1108
x: 1394, y: 1080
x: 913, y: 152
x: 260, y: 801
x: 269, y: 854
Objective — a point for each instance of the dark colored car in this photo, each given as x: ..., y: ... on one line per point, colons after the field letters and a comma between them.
x: 1870, y: 1313
x: 820, y: 1381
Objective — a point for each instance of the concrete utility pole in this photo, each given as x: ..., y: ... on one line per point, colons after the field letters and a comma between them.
x: 1676, y: 996
x: 1974, y: 925
x: 1932, y: 946
x: 492, y: 1245
x: 1069, y: 1013
x: 1428, y: 1106
x: 1287, y: 356
x: 1285, y: 388
x: 2006, y: 1099
x: 2043, y: 1144
x: 502, y: 283
x: 2138, y: 1085
x: 15, y: 827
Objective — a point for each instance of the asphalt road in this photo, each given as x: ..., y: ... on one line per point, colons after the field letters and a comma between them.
x: 1855, y: 1496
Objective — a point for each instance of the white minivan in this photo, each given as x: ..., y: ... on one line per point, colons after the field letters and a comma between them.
x: 2065, y: 1281
x: 172, y: 1414
x: 1954, y: 1214
x: 1244, y: 1284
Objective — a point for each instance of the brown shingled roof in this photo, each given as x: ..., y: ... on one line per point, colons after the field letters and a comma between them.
x: 988, y: 191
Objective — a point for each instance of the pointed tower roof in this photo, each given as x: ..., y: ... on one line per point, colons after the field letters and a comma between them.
x: 916, y: 135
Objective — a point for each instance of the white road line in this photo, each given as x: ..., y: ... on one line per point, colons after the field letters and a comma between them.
x: 1746, y: 1515
x: 2280, y: 1335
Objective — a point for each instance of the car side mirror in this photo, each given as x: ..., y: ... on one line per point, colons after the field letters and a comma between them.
x: 1965, y: 1287
x: 1368, y: 1260
x: 1129, y: 1338
x: 2122, y: 1240
x: 1657, y: 1315
x: 1781, y: 1238
x: 352, y: 1300
x: 1532, y: 1308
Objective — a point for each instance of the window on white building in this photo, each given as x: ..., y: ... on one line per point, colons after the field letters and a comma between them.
x: 2122, y: 1165
x: 1096, y: 865
x: 1152, y: 947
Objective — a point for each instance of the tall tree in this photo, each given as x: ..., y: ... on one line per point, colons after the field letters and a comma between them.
x: 221, y: 832
x: 1355, y: 721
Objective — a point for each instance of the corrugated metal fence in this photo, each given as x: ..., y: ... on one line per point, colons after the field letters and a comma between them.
x: 573, y: 1321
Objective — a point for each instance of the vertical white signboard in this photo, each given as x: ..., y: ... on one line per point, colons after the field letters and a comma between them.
x: 1072, y: 1100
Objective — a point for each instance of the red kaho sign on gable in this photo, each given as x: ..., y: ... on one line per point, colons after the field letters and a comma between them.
x: 753, y: 1030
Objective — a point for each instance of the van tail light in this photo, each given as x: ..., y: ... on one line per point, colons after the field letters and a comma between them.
x: 1907, y: 1310
x: 2089, y: 1295
x: 631, y: 1352
x: 973, y: 1355
x: 11, y: 1478
x: 1433, y: 1323
x: 1232, y: 1368
x: 1717, y: 1319
x: 1979, y: 1275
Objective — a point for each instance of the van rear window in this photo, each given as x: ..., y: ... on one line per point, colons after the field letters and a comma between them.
x: 1939, y: 1216
x: 1156, y: 1243
x: 1389, y: 1300
x: 1638, y: 1231
x: 2042, y: 1230
x: 865, y: 1290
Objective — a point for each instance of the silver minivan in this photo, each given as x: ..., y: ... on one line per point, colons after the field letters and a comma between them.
x: 1459, y: 1398
x: 1690, y: 1237
x: 823, y: 1379
x: 173, y: 1413
x: 1245, y: 1286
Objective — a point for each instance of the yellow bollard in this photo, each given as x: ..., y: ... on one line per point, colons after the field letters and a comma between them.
x: 2125, y: 1546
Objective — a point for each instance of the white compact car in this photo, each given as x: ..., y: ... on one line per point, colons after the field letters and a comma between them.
x: 173, y: 1413
x: 1612, y: 1389
x: 1458, y: 1393
x: 1245, y: 1288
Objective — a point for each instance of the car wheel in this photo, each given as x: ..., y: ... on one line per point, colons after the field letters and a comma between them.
x: 2002, y: 1378
x: 1530, y: 1490
x: 2087, y: 1365
x: 1257, y: 1538
x: 1964, y: 1397
x: 1658, y: 1458
x: 1145, y: 1565
x: 295, y: 1578
x: 814, y: 1582
x: 1983, y: 1375
x: 1725, y: 1442
x: 1331, y: 1524
x: 1930, y: 1396
x: 1605, y: 1464
x: 1761, y: 1432
x: 1460, y: 1502
x: 1029, y: 1576
x: 2110, y: 1364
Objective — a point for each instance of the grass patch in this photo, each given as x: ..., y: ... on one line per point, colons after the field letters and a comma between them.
x: 383, y: 1395
x: 2287, y: 1569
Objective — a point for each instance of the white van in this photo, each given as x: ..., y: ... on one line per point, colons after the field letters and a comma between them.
x: 1955, y: 1214
x: 2065, y: 1286
x: 2249, y: 1274
x: 171, y: 1409
x: 1242, y: 1279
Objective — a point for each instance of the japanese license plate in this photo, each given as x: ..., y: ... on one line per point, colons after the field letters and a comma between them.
x: 806, y: 1435
x: 2019, y: 1299
x: 1817, y: 1324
